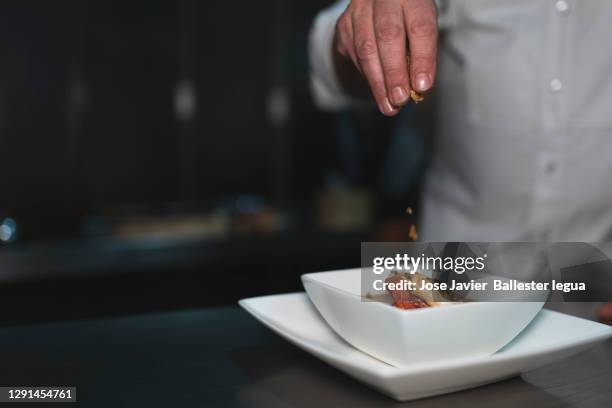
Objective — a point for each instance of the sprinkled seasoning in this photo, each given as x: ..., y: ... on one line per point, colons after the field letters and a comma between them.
x: 415, y: 96
x: 412, y: 234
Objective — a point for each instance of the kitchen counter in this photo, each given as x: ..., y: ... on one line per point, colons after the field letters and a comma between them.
x: 224, y: 357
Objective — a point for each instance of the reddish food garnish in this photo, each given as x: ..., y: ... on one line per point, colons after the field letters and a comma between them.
x: 404, y: 299
x: 410, y: 304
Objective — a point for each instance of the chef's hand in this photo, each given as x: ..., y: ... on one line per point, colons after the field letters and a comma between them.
x: 605, y: 313
x: 372, y: 37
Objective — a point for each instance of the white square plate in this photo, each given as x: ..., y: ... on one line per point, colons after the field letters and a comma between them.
x: 550, y: 336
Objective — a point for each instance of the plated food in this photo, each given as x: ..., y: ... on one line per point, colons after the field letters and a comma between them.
x: 423, y: 334
x: 416, y: 298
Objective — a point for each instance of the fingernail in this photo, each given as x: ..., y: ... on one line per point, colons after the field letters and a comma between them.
x: 399, y: 95
x: 423, y: 82
x: 386, y: 107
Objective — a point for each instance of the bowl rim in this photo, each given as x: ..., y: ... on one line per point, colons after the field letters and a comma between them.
x: 386, y: 306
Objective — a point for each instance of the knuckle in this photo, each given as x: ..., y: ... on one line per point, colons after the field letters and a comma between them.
x: 377, y: 85
x: 396, y: 75
x: 378, y: 91
x: 421, y: 62
x: 366, y: 49
x: 423, y: 28
x: 387, y: 31
x: 340, y: 43
x: 341, y: 49
x: 342, y: 23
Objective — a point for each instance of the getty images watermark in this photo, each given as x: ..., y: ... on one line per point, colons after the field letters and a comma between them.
x: 517, y: 271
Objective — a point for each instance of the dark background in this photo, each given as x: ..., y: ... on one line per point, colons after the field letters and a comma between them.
x: 166, y: 154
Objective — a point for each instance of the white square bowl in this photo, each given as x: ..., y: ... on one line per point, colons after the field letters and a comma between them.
x: 405, y: 337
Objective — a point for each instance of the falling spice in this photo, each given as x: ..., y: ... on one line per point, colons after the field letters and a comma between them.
x: 412, y: 233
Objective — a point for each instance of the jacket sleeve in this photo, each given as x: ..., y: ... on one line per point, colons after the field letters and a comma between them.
x: 326, y: 89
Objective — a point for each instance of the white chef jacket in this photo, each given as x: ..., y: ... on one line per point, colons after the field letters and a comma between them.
x: 523, y: 150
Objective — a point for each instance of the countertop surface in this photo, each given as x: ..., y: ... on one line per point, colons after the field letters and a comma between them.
x: 224, y: 357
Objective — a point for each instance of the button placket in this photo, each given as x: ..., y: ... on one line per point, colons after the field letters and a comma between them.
x: 550, y: 159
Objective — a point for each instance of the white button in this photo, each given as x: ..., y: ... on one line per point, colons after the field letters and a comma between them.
x: 562, y: 6
x: 556, y: 85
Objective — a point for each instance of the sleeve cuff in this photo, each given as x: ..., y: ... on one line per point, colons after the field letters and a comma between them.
x: 326, y: 89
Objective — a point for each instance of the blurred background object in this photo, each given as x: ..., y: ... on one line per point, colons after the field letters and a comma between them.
x: 166, y: 154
